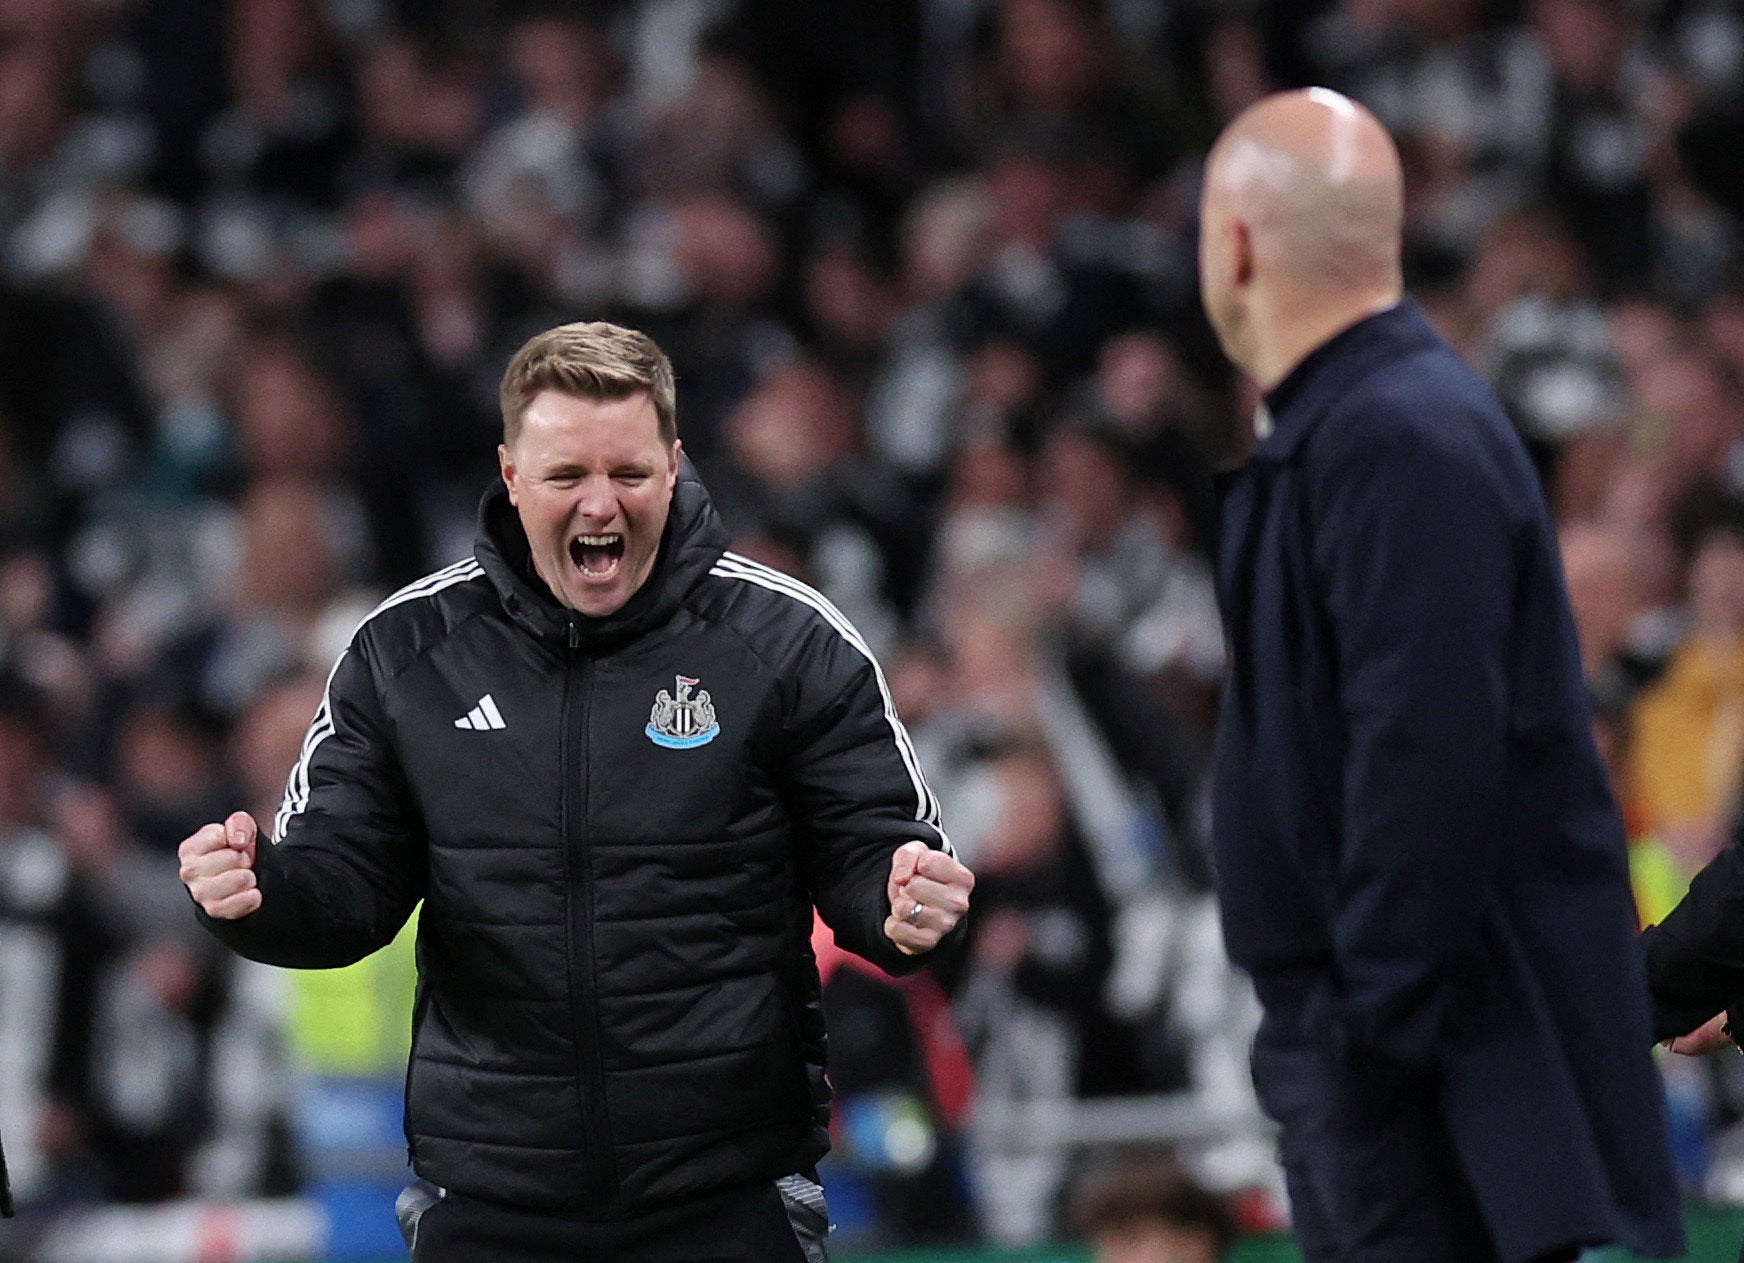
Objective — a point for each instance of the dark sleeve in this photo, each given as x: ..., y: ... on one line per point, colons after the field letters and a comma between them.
x: 1414, y: 547
x: 348, y: 864
x: 1695, y: 957
x: 856, y: 793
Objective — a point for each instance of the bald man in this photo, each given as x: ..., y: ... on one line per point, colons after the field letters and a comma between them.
x: 1419, y: 861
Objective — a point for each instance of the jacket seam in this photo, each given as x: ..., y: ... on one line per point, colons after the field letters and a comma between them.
x: 715, y: 1055
x: 811, y: 621
x: 436, y: 642
x: 493, y: 1144
x: 430, y: 1059
x: 719, y: 619
x: 688, y: 912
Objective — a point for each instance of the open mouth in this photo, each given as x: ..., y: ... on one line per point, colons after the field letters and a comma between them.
x: 597, y: 556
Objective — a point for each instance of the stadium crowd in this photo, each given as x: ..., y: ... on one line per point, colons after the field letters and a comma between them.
x: 925, y: 269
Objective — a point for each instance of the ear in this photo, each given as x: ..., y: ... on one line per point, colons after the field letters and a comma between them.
x: 506, y: 463
x: 672, y: 464
x: 1241, y: 253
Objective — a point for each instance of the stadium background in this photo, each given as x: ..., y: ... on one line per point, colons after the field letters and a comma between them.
x: 925, y: 269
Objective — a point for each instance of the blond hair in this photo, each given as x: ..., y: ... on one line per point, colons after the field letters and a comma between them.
x: 592, y: 360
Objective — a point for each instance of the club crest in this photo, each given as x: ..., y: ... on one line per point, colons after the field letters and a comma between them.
x: 682, y: 722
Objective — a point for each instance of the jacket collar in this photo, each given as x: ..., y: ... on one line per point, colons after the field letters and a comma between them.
x: 1332, y: 369
x: 693, y: 541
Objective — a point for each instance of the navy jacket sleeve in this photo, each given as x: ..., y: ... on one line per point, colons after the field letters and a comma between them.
x: 1695, y: 957
x: 1418, y: 567
x: 348, y: 864
x: 856, y: 791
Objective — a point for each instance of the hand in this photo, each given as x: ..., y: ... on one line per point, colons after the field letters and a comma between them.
x: 1705, y: 1039
x: 218, y: 867
x: 932, y: 881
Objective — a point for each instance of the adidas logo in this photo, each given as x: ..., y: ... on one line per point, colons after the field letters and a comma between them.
x: 485, y: 717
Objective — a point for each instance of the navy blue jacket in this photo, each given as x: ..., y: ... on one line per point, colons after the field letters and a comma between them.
x: 1419, y: 860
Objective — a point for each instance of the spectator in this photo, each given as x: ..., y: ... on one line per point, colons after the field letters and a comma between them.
x: 184, y: 1067
x: 904, y: 1086
x: 53, y: 957
x: 1029, y: 999
x: 1144, y: 1208
x: 1688, y: 750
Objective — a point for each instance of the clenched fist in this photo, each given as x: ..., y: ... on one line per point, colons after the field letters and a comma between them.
x: 218, y: 867
x: 929, y: 893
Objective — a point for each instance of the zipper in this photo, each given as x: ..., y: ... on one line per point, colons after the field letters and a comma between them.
x: 599, y: 1169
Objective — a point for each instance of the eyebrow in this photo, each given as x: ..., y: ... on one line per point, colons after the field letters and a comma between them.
x: 568, y: 468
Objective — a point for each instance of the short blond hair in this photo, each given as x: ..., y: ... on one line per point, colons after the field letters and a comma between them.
x: 591, y: 360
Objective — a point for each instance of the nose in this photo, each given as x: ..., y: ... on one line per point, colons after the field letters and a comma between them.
x: 594, y: 499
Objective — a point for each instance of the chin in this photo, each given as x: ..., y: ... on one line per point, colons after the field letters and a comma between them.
x: 599, y: 604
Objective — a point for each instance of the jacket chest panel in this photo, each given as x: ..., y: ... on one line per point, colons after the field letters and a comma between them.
x: 677, y: 736
x: 509, y: 745
x: 476, y: 726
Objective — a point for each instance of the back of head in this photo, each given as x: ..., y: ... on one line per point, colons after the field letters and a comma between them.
x: 1300, y: 228
x: 1120, y: 1198
x: 1317, y: 179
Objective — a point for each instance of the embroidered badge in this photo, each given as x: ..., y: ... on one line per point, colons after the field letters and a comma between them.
x: 682, y: 722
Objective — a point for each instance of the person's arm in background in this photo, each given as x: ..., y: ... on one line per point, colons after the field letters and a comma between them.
x: 1418, y: 568
x: 348, y: 867
x: 1695, y: 957
x: 867, y: 823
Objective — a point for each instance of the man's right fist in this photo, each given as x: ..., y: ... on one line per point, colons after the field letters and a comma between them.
x: 218, y: 867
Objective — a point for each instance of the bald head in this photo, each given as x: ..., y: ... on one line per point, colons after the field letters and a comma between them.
x: 1303, y: 212
x: 1317, y: 179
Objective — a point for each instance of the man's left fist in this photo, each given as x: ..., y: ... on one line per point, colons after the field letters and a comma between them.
x: 929, y: 893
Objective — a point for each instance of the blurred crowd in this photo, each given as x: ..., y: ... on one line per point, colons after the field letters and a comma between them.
x: 925, y: 269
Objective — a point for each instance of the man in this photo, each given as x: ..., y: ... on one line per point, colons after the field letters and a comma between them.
x: 1419, y: 861
x: 54, y: 949
x: 619, y: 765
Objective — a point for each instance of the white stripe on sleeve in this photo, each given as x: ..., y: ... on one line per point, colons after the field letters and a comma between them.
x: 297, y: 785
x: 733, y: 566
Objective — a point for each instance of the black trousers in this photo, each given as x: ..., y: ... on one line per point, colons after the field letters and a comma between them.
x: 781, y: 1221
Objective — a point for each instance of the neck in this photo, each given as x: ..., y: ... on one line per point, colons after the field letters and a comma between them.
x: 1297, y: 326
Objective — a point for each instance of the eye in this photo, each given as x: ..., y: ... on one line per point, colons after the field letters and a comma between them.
x: 563, y: 480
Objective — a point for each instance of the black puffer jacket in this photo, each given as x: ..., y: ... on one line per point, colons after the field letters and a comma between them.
x: 618, y: 827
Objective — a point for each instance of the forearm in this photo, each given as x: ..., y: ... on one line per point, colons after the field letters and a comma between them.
x: 316, y: 912
x: 855, y: 907
x: 854, y: 902
x: 1695, y: 957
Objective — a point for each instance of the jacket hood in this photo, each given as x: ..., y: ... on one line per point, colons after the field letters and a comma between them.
x: 692, y: 542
